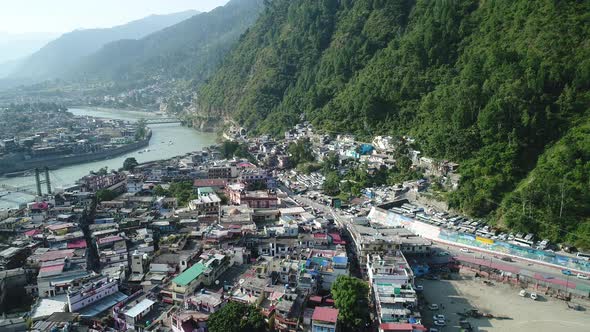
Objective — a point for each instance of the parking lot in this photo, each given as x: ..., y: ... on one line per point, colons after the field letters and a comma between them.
x: 511, y: 312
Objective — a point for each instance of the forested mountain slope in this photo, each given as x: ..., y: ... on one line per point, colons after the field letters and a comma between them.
x: 189, y: 49
x: 491, y: 84
x: 54, y: 59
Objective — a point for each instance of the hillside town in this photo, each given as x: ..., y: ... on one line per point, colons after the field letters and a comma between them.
x: 164, y: 245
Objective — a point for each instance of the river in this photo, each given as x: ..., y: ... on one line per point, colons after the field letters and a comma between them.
x: 183, y: 140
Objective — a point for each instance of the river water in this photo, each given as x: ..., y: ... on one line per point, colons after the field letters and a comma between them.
x: 183, y: 140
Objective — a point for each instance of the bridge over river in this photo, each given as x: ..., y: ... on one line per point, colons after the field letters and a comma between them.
x: 162, y: 120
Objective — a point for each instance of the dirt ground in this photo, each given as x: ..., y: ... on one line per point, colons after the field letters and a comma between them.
x: 518, y: 313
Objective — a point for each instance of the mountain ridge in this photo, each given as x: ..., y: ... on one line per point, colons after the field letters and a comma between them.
x: 49, y: 61
x: 489, y: 84
x: 174, y: 51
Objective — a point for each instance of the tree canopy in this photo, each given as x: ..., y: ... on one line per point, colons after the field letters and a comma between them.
x: 181, y: 190
x: 300, y: 152
x: 351, y: 297
x: 105, y: 195
x: 236, y: 317
x: 130, y: 163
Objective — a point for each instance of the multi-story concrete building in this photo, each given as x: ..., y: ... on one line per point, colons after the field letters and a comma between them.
x: 385, y: 241
x: 134, y: 184
x: 90, y: 291
x: 206, y: 271
x: 112, y: 251
x: 227, y: 171
x: 324, y: 319
x: 260, y: 199
x: 392, y: 288
x: 206, y: 204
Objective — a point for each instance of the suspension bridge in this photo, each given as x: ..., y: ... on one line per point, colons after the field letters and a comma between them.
x: 42, y: 179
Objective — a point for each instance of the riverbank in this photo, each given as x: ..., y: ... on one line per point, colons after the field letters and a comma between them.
x: 168, y: 140
x: 114, y: 113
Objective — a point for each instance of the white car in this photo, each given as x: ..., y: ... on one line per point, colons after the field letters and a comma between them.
x: 433, y: 306
x: 440, y: 323
x: 465, y: 250
x: 438, y: 317
x: 582, y: 276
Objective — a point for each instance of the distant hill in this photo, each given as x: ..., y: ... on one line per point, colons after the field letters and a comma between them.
x: 8, y: 67
x: 16, y: 46
x: 54, y: 59
x: 190, y: 49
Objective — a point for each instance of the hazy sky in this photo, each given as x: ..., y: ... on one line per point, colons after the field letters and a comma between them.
x: 22, y: 16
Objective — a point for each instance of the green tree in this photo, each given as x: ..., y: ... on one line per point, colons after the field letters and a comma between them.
x: 331, y: 184
x: 330, y: 162
x: 105, y: 195
x: 141, y: 130
x: 351, y: 297
x: 300, y: 152
x: 160, y: 191
x: 103, y: 171
x: 230, y: 149
x: 236, y: 317
x: 182, y: 191
x: 130, y: 163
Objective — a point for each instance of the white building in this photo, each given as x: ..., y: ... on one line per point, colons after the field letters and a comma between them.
x: 90, y: 291
x: 391, y: 281
x: 134, y: 184
x: 137, y: 312
x: 139, y: 262
x: 206, y: 204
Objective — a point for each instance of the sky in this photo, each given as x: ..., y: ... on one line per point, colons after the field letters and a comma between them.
x: 59, y: 16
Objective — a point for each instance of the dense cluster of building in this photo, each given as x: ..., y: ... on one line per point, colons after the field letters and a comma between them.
x: 143, y: 262
x: 54, y: 134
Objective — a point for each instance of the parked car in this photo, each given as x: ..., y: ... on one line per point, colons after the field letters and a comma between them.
x: 507, y: 259
x: 582, y: 276
x: 433, y: 306
x: 419, y: 288
x: 465, y: 250
x: 534, y: 296
x: 522, y: 293
x: 567, y: 272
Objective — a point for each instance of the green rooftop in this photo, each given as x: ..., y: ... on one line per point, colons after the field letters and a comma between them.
x: 189, y: 274
x: 205, y: 191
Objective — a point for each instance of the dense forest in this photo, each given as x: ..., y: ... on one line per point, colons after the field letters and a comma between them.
x: 500, y: 86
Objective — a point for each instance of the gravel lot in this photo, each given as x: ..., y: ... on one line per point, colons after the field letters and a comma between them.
x: 465, y: 292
